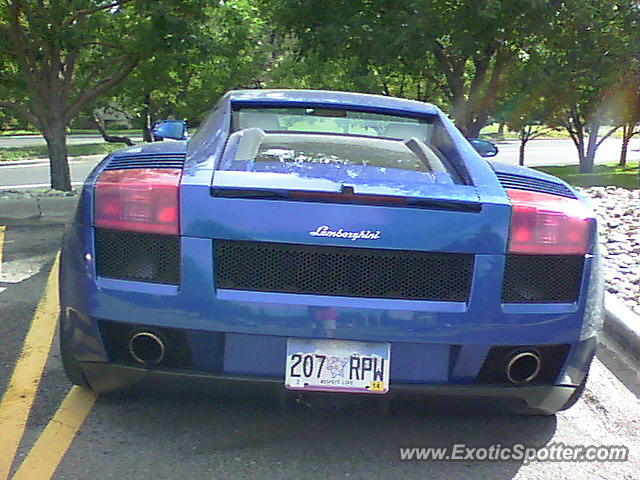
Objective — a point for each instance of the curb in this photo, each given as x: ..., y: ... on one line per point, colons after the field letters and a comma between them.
x: 622, y: 325
x: 24, y: 208
x: 33, y: 161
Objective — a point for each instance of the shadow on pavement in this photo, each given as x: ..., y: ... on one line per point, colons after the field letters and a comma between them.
x: 244, y: 434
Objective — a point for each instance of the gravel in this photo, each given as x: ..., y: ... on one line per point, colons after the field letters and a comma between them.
x: 618, y: 210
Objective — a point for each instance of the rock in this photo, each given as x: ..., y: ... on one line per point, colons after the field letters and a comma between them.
x: 618, y: 212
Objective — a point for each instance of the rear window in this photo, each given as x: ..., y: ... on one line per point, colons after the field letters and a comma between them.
x: 326, y: 150
x: 249, y: 148
x: 333, y: 121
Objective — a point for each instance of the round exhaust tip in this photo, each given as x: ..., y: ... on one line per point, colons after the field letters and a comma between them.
x: 147, y: 348
x: 523, y: 367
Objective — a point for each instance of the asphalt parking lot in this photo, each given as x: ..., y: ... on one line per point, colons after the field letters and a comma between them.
x: 200, y: 431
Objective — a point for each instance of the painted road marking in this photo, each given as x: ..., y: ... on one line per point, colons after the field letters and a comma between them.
x: 46, y: 454
x: 18, y: 399
x: 2, y: 227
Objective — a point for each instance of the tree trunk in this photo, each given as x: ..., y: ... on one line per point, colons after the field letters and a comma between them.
x: 501, y: 130
x: 523, y: 144
x: 460, y: 114
x: 100, y: 125
x: 56, y: 136
x: 146, y: 129
x: 474, y: 129
x: 586, y: 164
x: 626, y: 137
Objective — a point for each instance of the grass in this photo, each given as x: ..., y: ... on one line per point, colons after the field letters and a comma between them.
x: 134, y: 131
x: 603, y: 175
x: 74, y: 131
x: 492, y: 131
x: 40, y: 151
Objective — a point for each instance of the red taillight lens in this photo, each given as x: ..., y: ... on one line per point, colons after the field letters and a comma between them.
x: 548, y: 224
x: 138, y: 200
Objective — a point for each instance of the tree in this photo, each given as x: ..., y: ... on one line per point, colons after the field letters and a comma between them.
x: 64, y: 55
x: 626, y: 110
x: 589, y: 42
x: 525, y: 102
x: 463, y: 48
x: 187, y: 78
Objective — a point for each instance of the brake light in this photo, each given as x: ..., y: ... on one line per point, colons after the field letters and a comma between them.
x: 548, y: 224
x: 138, y: 200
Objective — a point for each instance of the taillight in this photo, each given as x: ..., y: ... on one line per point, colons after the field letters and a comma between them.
x: 138, y: 200
x: 548, y: 224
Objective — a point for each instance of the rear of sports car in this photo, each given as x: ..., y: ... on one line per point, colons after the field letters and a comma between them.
x: 331, y: 242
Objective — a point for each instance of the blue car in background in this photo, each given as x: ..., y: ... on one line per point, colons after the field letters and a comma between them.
x: 331, y: 242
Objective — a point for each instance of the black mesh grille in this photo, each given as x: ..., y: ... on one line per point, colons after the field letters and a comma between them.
x: 155, y: 160
x: 343, y: 271
x: 521, y: 182
x: 144, y: 257
x: 542, y: 278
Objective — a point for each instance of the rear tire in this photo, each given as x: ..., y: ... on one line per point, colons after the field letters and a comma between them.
x: 70, y: 365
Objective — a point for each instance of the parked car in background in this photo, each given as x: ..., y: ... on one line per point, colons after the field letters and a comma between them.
x: 171, y: 129
x: 331, y: 241
x: 484, y: 147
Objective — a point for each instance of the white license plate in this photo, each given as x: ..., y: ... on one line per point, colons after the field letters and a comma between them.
x: 337, y: 366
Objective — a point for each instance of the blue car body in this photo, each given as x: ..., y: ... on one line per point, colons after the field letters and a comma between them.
x: 453, y: 345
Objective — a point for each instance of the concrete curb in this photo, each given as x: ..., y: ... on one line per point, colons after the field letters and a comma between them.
x: 33, y: 161
x: 23, y: 208
x: 622, y: 325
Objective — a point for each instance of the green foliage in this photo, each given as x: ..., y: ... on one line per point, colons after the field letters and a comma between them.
x: 591, y: 45
x: 60, y: 56
x: 452, y: 52
x: 187, y: 76
x: 525, y: 63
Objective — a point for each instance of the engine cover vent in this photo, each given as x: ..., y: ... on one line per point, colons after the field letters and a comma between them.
x: 521, y: 182
x: 155, y: 160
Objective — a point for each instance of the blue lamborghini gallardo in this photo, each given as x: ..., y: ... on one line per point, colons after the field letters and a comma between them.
x: 331, y: 241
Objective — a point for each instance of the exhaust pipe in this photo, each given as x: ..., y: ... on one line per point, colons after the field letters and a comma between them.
x: 523, y: 367
x: 146, y: 347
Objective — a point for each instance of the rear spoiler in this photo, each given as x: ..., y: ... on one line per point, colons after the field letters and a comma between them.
x: 346, y: 196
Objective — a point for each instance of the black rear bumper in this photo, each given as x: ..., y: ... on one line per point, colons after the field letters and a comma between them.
x: 540, y: 399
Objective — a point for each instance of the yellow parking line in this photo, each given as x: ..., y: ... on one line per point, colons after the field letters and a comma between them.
x: 2, y: 227
x: 18, y: 399
x: 49, y: 449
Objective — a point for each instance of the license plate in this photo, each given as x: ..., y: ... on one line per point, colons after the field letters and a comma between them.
x: 337, y: 366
